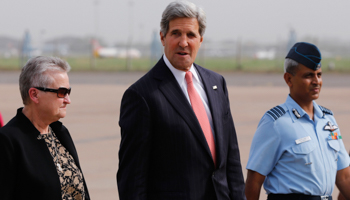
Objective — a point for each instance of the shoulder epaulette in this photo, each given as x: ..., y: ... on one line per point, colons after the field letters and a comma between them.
x: 276, y: 112
x: 325, y: 110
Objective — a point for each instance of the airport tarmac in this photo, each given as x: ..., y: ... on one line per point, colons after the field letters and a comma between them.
x: 92, y: 117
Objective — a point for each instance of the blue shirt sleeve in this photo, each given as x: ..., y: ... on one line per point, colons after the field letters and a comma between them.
x: 264, y: 150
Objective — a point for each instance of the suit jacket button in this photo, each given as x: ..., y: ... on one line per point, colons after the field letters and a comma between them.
x: 213, y: 174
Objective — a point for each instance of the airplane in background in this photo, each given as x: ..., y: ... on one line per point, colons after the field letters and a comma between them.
x: 263, y: 54
x: 113, y: 52
x: 27, y: 50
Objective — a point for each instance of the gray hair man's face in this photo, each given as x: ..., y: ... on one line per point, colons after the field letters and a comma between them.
x: 182, y: 42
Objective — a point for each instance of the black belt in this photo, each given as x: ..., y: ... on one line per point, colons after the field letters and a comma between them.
x: 297, y: 197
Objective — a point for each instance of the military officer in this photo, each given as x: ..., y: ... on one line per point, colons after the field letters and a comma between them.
x: 297, y: 151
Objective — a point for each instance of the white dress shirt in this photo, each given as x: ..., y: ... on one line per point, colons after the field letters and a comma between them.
x: 198, y: 85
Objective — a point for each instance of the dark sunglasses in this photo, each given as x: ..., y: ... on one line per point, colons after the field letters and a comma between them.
x: 61, y: 92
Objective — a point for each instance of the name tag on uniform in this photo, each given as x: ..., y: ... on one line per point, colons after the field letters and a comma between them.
x: 301, y: 140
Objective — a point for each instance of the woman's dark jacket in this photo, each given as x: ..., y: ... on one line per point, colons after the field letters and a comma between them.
x: 27, y: 170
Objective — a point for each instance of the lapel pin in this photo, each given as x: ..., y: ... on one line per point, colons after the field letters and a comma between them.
x: 215, y: 87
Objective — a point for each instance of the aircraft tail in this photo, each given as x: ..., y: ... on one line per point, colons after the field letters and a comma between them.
x: 95, y: 47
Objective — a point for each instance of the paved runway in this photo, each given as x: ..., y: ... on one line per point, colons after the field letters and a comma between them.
x: 92, y: 118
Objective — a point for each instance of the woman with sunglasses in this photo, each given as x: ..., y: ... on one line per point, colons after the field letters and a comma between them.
x: 38, y: 159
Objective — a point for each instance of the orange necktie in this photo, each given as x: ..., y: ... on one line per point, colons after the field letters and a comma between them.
x: 199, y: 110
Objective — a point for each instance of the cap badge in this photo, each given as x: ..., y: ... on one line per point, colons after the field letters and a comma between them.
x: 318, y: 66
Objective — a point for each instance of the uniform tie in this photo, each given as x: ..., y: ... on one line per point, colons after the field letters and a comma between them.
x: 199, y: 110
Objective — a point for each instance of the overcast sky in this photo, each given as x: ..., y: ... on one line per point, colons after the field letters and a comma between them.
x: 265, y: 21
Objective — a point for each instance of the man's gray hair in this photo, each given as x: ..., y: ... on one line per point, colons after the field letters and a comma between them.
x: 34, y: 74
x: 290, y: 66
x: 178, y: 9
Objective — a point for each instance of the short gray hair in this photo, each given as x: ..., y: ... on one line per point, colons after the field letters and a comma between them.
x: 33, y: 73
x: 178, y: 9
x: 290, y: 66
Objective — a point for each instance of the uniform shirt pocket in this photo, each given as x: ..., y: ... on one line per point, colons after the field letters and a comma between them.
x: 334, y: 147
x: 304, y: 156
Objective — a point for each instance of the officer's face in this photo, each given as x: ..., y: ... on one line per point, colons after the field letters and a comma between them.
x: 305, y: 85
x: 182, y: 41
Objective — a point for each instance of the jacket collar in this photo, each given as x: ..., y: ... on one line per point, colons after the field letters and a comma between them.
x: 30, y: 128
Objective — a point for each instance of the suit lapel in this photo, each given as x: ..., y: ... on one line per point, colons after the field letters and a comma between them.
x: 173, y: 93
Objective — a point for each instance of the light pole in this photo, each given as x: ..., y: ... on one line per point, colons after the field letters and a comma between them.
x: 128, y: 48
x: 93, y: 59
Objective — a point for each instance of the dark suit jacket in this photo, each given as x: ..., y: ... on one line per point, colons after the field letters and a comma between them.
x: 163, y: 152
x: 27, y: 170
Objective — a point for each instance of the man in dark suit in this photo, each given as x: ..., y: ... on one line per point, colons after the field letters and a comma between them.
x: 178, y: 140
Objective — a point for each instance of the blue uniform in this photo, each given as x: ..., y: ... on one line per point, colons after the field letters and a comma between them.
x: 296, y: 154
